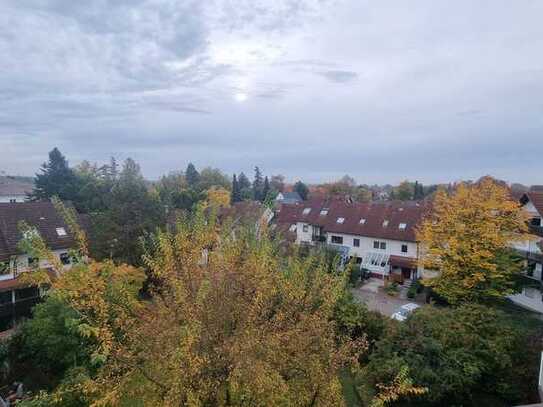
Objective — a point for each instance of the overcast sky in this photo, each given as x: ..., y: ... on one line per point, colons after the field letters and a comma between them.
x: 312, y: 89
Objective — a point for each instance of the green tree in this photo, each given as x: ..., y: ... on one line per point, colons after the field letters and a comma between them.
x: 192, y: 176
x: 462, y: 355
x: 266, y: 189
x: 246, y: 192
x: 56, y: 179
x: 132, y: 212
x: 258, y: 185
x: 236, y: 192
x: 302, y: 189
x: 213, y: 177
x: 277, y: 183
x: 404, y: 191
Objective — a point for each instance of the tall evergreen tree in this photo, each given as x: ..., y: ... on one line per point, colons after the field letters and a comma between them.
x: 266, y: 188
x: 244, y: 184
x: 236, y: 192
x: 258, y: 185
x: 56, y: 179
x: 302, y: 189
x: 192, y: 176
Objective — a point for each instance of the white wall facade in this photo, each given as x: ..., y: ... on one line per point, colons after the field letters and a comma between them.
x: 20, y: 264
x: 12, y: 198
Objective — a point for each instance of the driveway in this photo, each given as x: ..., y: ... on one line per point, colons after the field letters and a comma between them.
x: 372, y: 294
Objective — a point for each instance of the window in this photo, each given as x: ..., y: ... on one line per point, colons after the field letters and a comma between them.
x: 340, y: 220
x: 382, y: 245
x: 306, y: 228
x: 404, y: 248
x: 385, y: 223
x: 324, y: 212
x: 535, y: 222
x: 292, y: 228
x: 5, y: 297
x: 64, y: 258
x: 12, y: 200
x: 337, y: 239
x: 306, y: 211
x: 362, y: 221
x: 24, y: 293
x: 530, y: 292
x: 4, y: 267
x: 402, y: 226
x: 356, y: 242
x: 61, y: 232
x: 376, y: 244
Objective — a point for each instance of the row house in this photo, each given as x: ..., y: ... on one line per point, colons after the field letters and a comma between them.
x: 16, y: 298
x: 531, y: 251
x: 379, y: 235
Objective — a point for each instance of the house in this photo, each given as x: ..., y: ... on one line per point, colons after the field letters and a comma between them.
x: 379, y: 235
x: 16, y: 298
x: 288, y: 197
x: 13, y: 191
x: 531, y: 251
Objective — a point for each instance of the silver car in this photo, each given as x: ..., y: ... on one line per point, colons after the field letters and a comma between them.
x: 404, y: 311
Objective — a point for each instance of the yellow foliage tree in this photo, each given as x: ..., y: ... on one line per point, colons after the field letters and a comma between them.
x: 467, y: 239
x: 229, y: 322
x: 218, y: 197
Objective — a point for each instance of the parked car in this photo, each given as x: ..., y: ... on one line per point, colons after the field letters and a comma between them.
x: 404, y: 311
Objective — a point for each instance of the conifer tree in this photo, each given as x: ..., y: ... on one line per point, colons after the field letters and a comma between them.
x: 257, y: 185
x: 192, y: 176
x: 56, y: 179
x: 265, y: 189
x: 236, y: 193
x: 302, y: 189
x: 244, y: 184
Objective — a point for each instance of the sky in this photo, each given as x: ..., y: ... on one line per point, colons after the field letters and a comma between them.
x: 381, y: 90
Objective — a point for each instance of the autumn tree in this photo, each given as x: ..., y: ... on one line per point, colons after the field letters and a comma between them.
x: 277, y: 183
x: 218, y: 197
x: 230, y: 322
x: 467, y: 239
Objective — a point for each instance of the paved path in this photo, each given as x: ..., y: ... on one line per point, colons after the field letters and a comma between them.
x: 376, y: 299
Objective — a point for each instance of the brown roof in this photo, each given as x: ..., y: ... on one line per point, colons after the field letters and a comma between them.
x: 14, y: 188
x: 41, y: 215
x: 401, y: 261
x: 382, y: 218
x: 536, y: 198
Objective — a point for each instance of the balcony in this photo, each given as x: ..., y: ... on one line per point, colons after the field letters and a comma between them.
x: 318, y: 238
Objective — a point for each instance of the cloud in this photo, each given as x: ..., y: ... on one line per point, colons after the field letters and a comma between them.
x: 439, y: 91
x: 339, y: 76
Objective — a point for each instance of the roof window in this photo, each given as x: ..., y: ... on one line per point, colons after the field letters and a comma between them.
x: 306, y: 211
x: 340, y: 220
x: 292, y: 228
x: 61, y: 232
x: 402, y: 226
x: 362, y: 221
x: 324, y: 212
x: 385, y: 223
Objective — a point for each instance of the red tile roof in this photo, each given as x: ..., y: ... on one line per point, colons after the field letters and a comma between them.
x: 375, y: 214
x: 536, y: 198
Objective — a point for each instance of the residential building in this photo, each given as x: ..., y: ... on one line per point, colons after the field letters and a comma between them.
x: 288, y: 197
x: 12, y: 191
x: 531, y: 251
x: 380, y: 236
x: 17, y: 298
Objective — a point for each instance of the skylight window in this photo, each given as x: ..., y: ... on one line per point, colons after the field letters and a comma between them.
x: 61, y: 232
x: 402, y: 226
x: 306, y: 211
x: 362, y: 221
x: 385, y: 223
x: 340, y: 220
x: 292, y: 228
x: 324, y: 212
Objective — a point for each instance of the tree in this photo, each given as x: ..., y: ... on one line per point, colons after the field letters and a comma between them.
x: 404, y: 191
x: 56, y: 179
x: 467, y: 239
x: 192, y: 176
x: 245, y: 189
x: 230, y: 323
x: 258, y: 185
x: 460, y: 355
x: 277, y: 183
x: 266, y: 189
x: 236, y: 192
x: 302, y: 189
x: 213, y: 177
x: 131, y: 213
x: 218, y: 197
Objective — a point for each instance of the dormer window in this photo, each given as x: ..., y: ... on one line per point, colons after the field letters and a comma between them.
x: 61, y: 232
x: 324, y: 212
x: 402, y: 226
x: 340, y: 220
x: 306, y: 211
x: 385, y: 223
x: 362, y: 221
